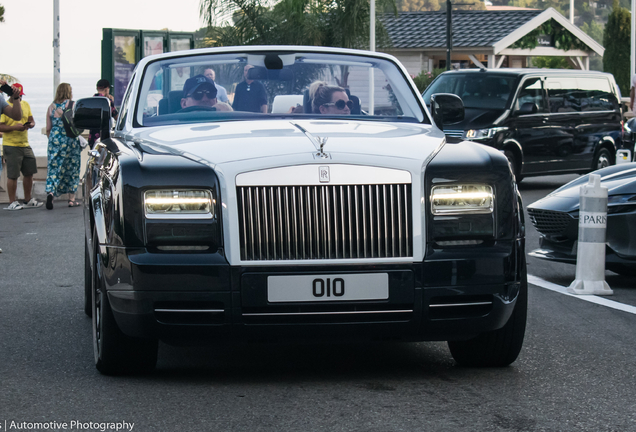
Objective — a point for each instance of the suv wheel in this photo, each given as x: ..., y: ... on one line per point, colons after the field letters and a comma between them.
x: 602, y: 159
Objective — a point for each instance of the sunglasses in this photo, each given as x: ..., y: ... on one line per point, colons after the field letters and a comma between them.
x: 198, y: 95
x: 340, y: 104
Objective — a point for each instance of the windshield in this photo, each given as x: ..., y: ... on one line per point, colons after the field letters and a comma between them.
x: 263, y: 85
x: 477, y: 90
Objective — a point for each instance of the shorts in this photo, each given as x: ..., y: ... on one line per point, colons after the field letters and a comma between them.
x: 19, y: 159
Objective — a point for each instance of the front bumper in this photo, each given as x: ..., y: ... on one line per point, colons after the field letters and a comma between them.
x: 198, y: 298
x: 565, y: 252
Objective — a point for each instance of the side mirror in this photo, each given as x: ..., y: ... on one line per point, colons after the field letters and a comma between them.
x: 446, y: 109
x: 528, y: 108
x: 93, y: 113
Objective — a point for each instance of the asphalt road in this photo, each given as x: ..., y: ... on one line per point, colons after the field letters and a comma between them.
x: 575, y: 373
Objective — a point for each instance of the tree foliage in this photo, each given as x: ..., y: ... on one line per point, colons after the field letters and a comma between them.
x: 594, y: 30
x: 548, y: 62
x: 1, y: 13
x: 435, y: 5
x: 341, y: 23
x: 425, y: 78
x: 563, y: 39
x: 617, y: 39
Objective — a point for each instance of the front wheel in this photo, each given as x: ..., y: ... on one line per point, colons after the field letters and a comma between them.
x: 115, y: 353
x: 602, y: 159
x: 500, y: 347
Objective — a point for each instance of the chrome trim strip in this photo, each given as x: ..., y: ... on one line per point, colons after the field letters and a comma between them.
x: 308, y: 175
x: 399, y: 209
x: 329, y: 313
x: 357, y: 219
x: 342, y: 220
x: 386, y: 223
x: 244, y: 217
x: 192, y: 310
x: 179, y: 216
x: 460, y: 304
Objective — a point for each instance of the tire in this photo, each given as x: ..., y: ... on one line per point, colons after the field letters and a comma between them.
x: 500, y: 347
x: 512, y: 160
x: 602, y: 159
x: 88, y: 275
x: 115, y: 353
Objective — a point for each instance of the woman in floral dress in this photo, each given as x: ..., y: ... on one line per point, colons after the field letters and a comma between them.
x: 63, y: 152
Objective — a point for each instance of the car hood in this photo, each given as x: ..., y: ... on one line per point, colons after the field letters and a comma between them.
x: 477, y: 118
x: 618, y: 179
x: 266, y: 142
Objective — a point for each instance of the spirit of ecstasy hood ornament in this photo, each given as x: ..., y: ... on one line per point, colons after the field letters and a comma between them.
x: 317, y: 141
x: 321, y: 152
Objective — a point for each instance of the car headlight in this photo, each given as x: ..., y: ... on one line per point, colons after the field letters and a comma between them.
x: 461, y: 199
x: 478, y: 134
x: 178, y: 204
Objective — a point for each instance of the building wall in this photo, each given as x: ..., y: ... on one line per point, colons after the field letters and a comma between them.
x: 414, y: 62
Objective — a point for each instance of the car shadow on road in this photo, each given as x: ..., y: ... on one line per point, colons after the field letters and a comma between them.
x: 364, y: 362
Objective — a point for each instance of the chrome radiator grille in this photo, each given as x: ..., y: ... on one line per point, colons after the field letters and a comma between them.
x: 325, y: 222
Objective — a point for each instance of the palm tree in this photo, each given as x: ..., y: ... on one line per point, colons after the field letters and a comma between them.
x: 341, y: 23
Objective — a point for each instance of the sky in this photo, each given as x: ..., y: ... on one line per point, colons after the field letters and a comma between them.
x: 27, y: 31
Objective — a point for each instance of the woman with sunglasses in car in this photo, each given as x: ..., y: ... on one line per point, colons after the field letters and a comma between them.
x: 331, y: 100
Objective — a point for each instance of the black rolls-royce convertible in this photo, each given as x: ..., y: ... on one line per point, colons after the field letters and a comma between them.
x: 322, y: 202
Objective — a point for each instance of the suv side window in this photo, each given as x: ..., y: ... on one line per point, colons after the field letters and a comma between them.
x: 598, y: 95
x: 564, y: 95
x: 531, y: 92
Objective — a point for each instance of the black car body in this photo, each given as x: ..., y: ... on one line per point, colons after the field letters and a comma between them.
x: 556, y: 218
x: 545, y: 121
x: 428, y: 235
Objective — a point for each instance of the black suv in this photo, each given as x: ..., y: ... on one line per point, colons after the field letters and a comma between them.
x: 545, y: 121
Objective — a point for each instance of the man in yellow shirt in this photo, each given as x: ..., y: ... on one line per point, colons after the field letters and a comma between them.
x: 18, y: 154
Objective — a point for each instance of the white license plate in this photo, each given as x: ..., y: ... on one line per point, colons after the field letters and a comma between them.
x: 334, y: 287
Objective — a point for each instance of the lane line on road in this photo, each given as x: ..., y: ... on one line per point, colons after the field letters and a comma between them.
x: 535, y: 280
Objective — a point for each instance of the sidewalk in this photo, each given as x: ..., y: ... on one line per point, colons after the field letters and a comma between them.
x: 39, y: 180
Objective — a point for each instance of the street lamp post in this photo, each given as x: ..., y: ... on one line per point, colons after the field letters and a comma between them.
x: 449, y: 33
x: 56, y: 45
x: 372, y: 48
x: 632, y: 57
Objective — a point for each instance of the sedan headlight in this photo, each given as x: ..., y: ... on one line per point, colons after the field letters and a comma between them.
x: 461, y: 199
x: 479, y: 134
x: 178, y: 204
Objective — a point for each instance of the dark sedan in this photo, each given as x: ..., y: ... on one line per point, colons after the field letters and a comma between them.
x: 556, y: 218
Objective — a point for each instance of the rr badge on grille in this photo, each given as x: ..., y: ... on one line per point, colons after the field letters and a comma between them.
x: 323, y: 174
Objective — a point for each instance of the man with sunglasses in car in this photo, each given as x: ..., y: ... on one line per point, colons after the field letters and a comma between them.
x: 198, y: 91
x: 331, y: 100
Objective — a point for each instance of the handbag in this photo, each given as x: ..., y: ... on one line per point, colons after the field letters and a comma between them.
x: 67, y: 120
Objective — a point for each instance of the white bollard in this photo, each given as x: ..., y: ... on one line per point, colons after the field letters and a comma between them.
x: 590, y: 253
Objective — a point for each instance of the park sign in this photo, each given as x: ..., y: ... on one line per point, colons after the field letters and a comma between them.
x: 122, y: 49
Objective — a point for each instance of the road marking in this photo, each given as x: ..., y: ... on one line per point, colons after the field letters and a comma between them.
x: 535, y: 280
